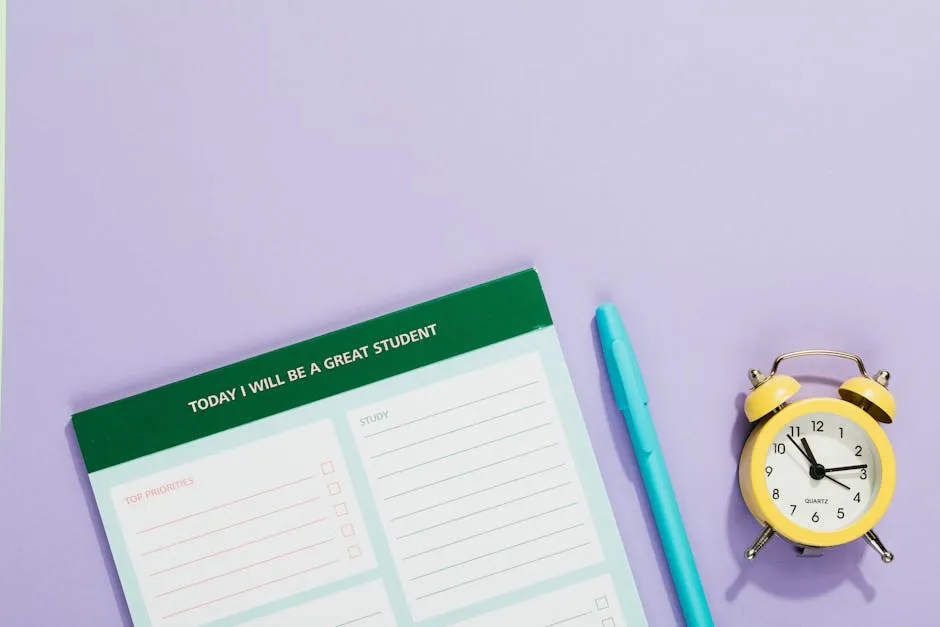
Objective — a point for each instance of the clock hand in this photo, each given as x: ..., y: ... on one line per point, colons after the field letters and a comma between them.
x: 859, y: 467
x: 818, y: 471
x: 808, y: 458
x: 839, y: 482
x: 809, y: 453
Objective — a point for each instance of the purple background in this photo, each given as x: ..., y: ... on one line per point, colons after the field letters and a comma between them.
x: 192, y: 183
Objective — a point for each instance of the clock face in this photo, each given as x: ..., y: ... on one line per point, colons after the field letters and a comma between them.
x: 822, y: 471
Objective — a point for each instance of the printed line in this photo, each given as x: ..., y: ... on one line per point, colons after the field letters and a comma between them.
x: 450, y: 409
x: 212, y: 509
x: 505, y: 548
x: 500, y: 572
x: 242, y: 568
x: 235, y: 594
x: 483, y: 533
x: 568, y: 620
x: 466, y: 450
x: 240, y: 546
x: 356, y: 620
x: 209, y: 533
x: 481, y: 491
x: 487, y: 509
x: 452, y: 431
x: 472, y: 470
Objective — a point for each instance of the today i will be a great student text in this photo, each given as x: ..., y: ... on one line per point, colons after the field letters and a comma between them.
x: 302, y: 372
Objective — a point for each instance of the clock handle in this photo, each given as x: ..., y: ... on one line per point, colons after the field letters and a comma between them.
x: 762, y: 539
x: 831, y: 353
x: 886, y: 556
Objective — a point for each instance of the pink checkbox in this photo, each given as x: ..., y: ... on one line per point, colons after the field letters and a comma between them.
x: 334, y: 488
x: 354, y: 551
x: 348, y: 531
x: 340, y: 509
x: 326, y: 468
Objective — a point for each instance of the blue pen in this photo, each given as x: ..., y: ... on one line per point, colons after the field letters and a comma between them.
x: 632, y: 399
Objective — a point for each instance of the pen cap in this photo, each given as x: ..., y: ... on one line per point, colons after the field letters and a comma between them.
x: 610, y: 330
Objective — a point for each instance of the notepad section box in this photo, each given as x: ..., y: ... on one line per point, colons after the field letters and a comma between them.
x: 244, y: 527
x: 592, y: 603
x: 476, y: 486
x: 362, y: 606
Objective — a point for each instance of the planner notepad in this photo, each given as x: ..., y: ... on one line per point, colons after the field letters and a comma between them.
x: 426, y: 467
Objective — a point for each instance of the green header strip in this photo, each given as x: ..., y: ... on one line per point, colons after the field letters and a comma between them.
x: 267, y: 384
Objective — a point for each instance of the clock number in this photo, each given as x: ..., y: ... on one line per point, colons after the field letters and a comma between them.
x: 858, y: 497
x: 792, y: 509
x: 840, y: 514
x: 864, y: 474
x: 794, y: 431
x: 815, y: 517
x: 768, y: 470
x: 780, y: 448
x: 858, y: 451
x: 776, y: 494
x: 818, y: 426
x: 841, y: 433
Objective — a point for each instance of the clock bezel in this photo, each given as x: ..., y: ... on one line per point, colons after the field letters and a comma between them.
x: 754, y: 481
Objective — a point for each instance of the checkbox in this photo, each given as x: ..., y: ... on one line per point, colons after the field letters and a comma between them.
x: 340, y: 509
x: 608, y: 622
x: 326, y: 468
x: 348, y: 531
x: 334, y: 488
x: 354, y: 551
x: 601, y: 603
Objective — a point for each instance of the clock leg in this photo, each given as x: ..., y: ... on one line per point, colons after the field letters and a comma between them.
x: 886, y: 556
x: 762, y: 539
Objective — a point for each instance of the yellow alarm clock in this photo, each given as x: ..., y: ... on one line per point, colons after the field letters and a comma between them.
x: 818, y: 471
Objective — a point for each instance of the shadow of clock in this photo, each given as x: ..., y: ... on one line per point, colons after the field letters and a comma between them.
x: 778, y: 568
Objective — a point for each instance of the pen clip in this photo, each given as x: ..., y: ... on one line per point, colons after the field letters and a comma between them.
x: 634, y: 398
x: 633, y: 386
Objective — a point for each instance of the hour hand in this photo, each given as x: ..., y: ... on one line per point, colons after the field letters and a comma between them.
x: 802, y: 452
x: 809, y: 452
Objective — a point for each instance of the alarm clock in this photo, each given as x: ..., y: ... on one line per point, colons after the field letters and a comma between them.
x: 820, y: 472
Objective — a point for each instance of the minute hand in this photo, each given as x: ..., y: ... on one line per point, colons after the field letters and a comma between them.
x: 860, y: 466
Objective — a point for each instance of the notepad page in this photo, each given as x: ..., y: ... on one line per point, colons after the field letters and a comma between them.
x: 243, y: 528
x: 363, y: 606
x: 475, y: 485
x: 350, y: 480
x: 592, y: 603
